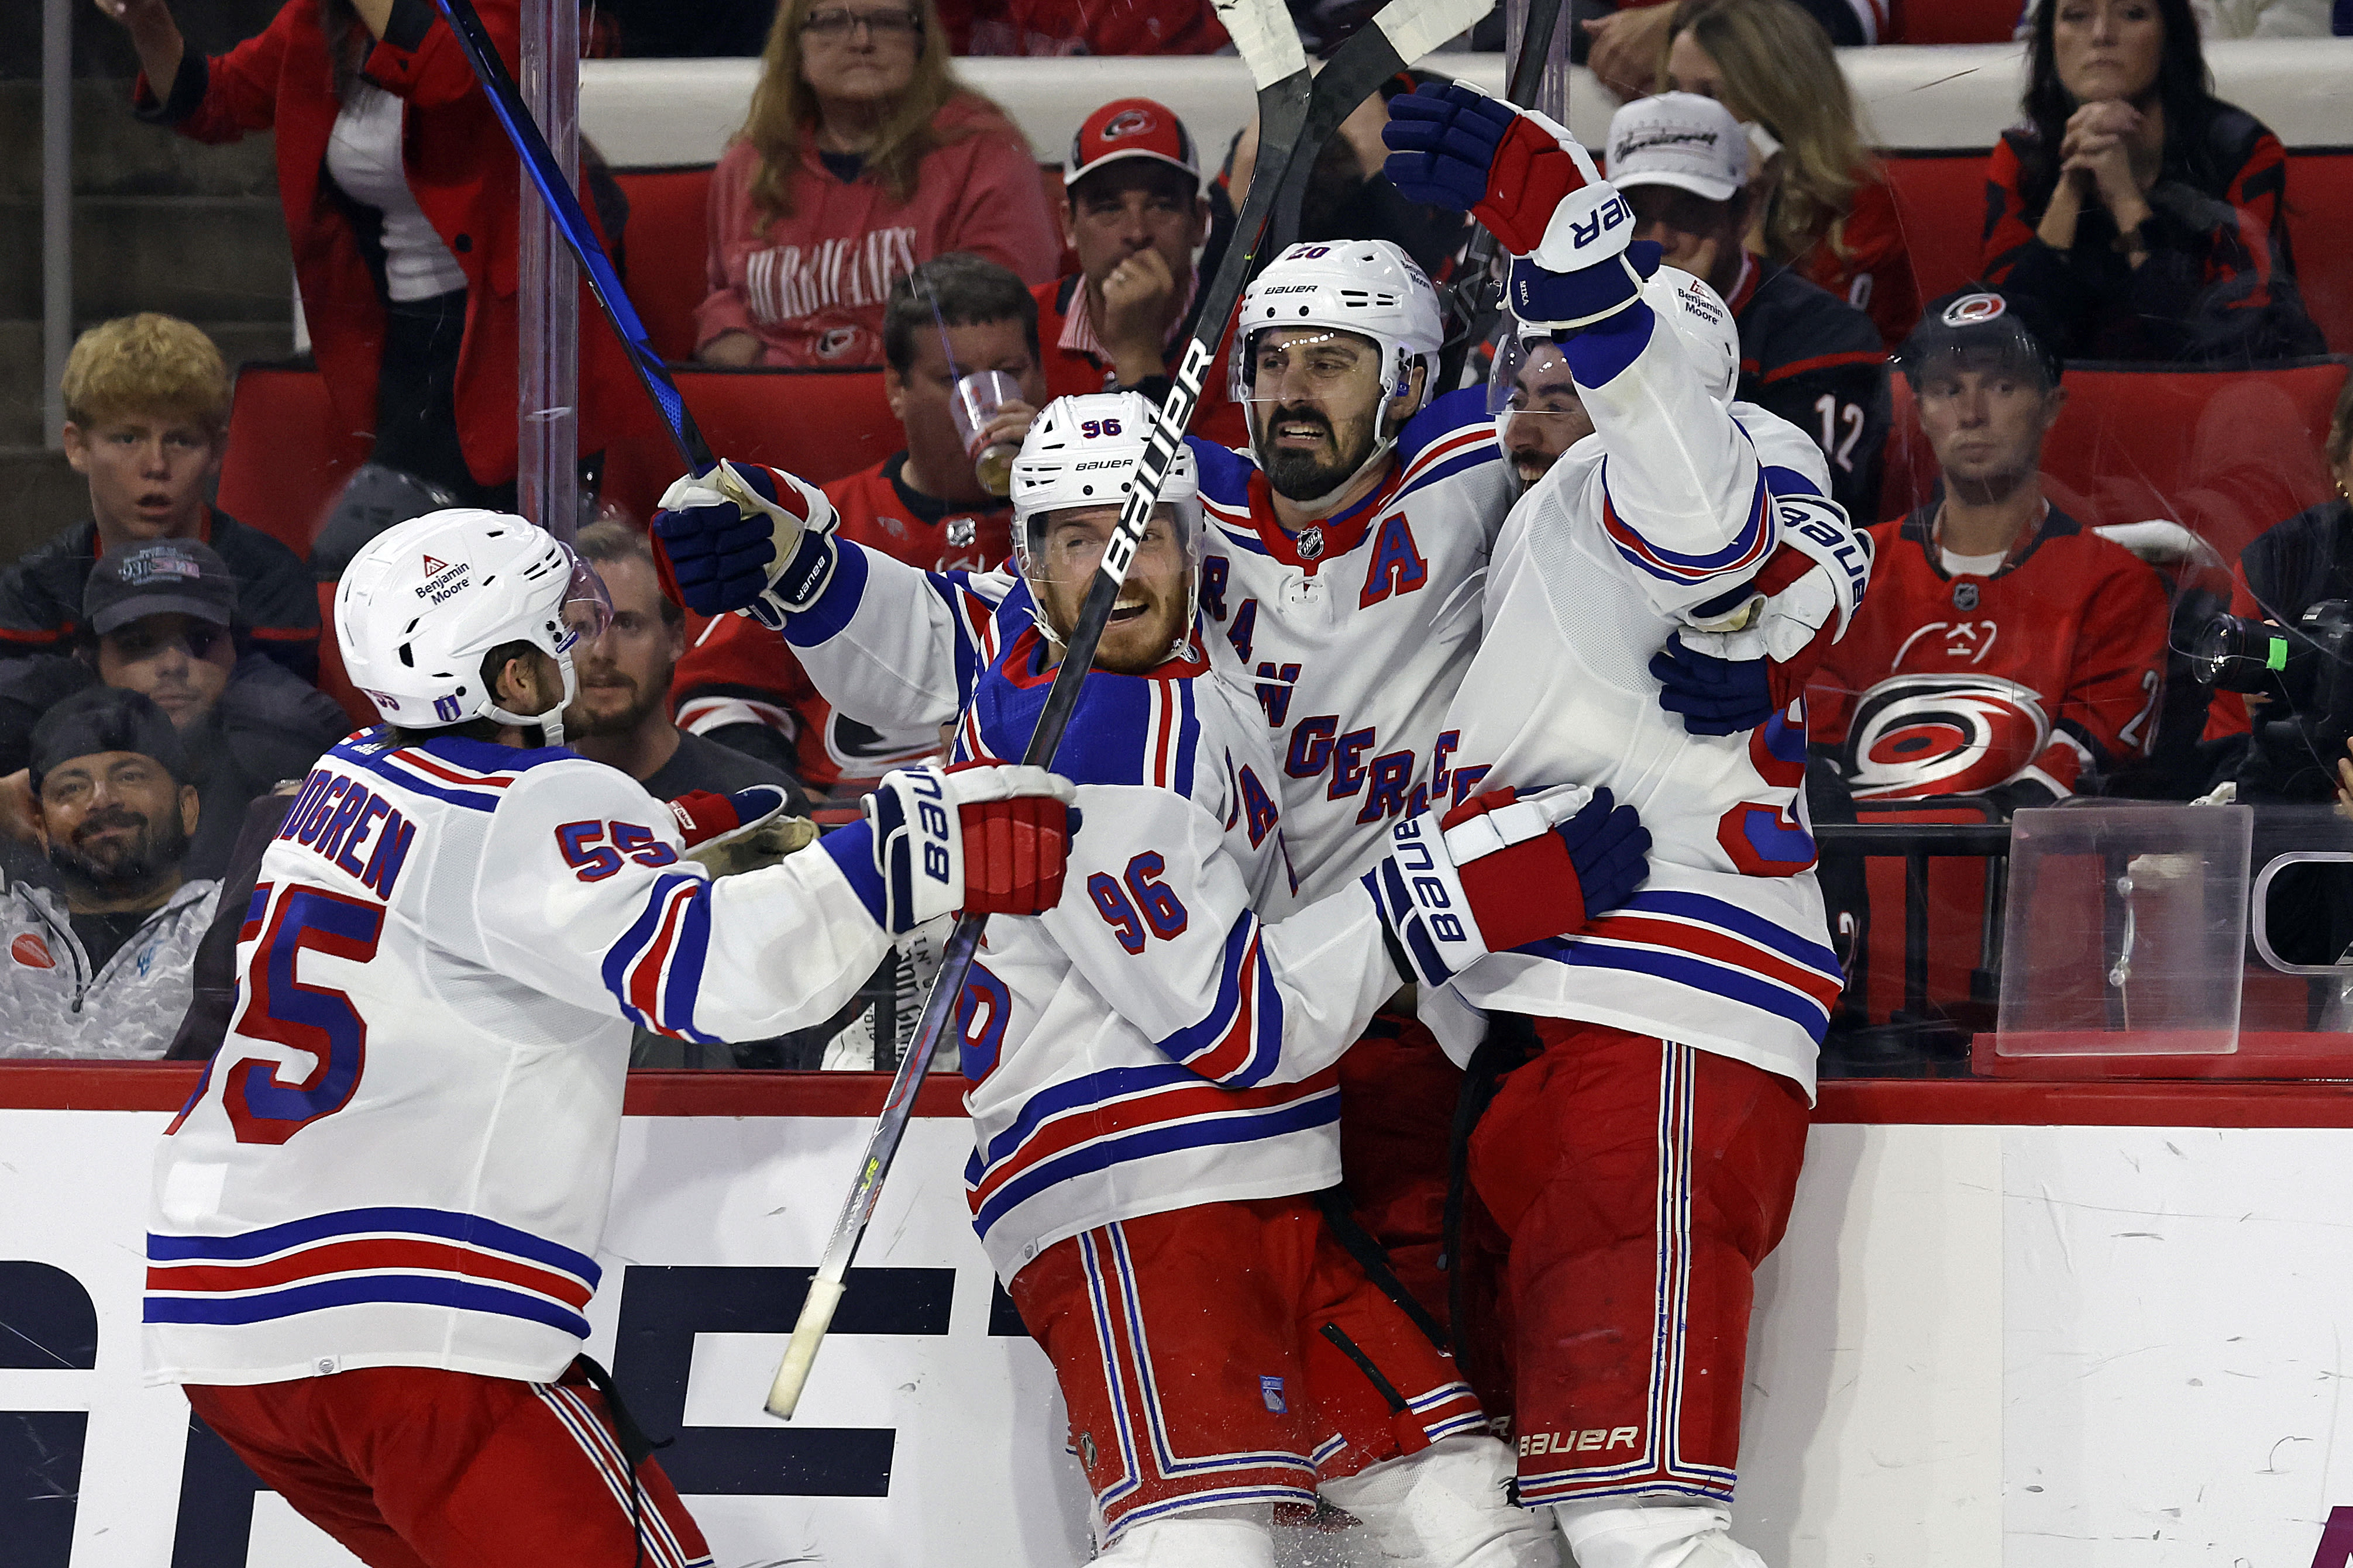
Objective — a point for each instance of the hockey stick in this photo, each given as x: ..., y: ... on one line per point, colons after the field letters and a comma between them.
x: 1470, y: 291
x: 1291, y: 104
x: 555, y: 189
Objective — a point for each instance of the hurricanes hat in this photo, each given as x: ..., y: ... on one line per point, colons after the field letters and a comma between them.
x: 1983, y: 325
x: 1679, y: 139
x: 1131, y: 128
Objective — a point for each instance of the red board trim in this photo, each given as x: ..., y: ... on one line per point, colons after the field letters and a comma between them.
x: 1964, y: 1102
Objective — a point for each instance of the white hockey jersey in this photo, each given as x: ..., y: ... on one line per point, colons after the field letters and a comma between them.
x: 1168, y: 1034
x: 402, y: 1154
x: 1353, y: 634
x: 1671, y: 506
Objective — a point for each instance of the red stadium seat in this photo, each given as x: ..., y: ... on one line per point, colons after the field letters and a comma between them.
x: 817, y: 424
x: 332, y: 679
x: 2319, y: 217
x: 666, y: 248
x: 1940, y: 201
x: 1952, y: 21
x: 2225, y: 453
x: 285, y: 460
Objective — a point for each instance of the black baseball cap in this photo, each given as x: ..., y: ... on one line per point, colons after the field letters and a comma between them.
x: 106, y: 719
x: 156, y: 578
x: 1983, y: 326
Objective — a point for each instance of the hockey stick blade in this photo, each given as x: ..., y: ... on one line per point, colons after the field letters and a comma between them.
x: 1289, y: 107
x: 579, y: 236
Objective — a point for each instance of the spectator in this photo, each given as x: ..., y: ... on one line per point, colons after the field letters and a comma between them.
x: 2143, y: 211
x: 1627, y: 48
x: 147, y: 403
x: 739, y: 684
x: 101, y: 969
x: 2003, y: 648
x: 621, y: 715
x: 1681, y: 161
x: 1825, y: 210
x: 160, y: 619
x: 1072, y: 27
x: 861, y: 156
x: 1538, y: 413
x: 1136, y: 216
x: 401, y: 193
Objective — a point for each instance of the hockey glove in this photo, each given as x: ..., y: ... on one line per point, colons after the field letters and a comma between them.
x: 1715, y: 696
x: 985, y: 837
x: 747, y: 538
x: 740, y: 832
x: 1500, y: 871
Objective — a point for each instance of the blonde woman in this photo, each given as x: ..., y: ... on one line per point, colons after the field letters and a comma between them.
x: 1825, y: 211
x: 861, y: 158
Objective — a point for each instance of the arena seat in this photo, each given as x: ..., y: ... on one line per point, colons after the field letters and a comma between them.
x: 817, y: 424
x: 669, y: 242
x: 2319, y: 217
x: 1952, y: 21
x: 2225, y: 453
x: 1940, y: 201
x: 334, y: 679
x: 286, y: 459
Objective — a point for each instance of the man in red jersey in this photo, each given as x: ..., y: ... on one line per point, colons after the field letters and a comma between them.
x: 738, y: 683
x: 2003, y: 646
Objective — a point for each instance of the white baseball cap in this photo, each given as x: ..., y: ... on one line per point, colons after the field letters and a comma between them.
x: 1679, y: 139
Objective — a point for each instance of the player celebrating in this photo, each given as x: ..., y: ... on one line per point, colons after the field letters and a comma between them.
x: 373, y: 1226
x: 1155, y: 1089
x: 1643, y: 1163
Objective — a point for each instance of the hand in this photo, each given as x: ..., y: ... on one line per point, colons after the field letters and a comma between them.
x: 2344, y: 784
x: 1502, y: 870
x: 2098, y: 152
x: 1625, y: 50
x: 135, y: 14
x: 986, y: 837
x: 1453, y: 146
x: 734, y: 349
x: 744, y: 831
x: 1715, y: 696
x: 19, y: 813
x: 747, y: 538
x: 1010, y: 423
x: 1140, y: 298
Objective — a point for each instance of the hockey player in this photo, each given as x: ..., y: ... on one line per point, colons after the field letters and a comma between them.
x: 1643, y: 1163
x: 1154, y: 1067
x: 374, y: 1227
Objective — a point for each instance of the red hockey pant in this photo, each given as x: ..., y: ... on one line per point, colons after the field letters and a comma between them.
x: 1196, y: 1351
x: 418, y: 1467
x: 1642, y: 1183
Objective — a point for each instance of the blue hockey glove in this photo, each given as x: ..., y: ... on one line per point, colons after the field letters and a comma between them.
x: 1715, y: 696
x: 746, y: 537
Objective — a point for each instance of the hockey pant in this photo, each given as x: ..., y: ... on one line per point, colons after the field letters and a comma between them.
x: 420, y: 1467
x: 1641, y: 1182
x: 1396, y: 1107
x: 1231, y: 1355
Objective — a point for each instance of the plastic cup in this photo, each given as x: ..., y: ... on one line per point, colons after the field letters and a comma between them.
x: 975, y: 403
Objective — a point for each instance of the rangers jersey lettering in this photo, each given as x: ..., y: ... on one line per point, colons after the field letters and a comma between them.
x: 1627, y: 536
x: 401, y: 1155
x: 1167, y: 1034
x: 1352, y: 634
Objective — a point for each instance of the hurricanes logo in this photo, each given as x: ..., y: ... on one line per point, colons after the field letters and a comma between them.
x: 1919, y: 735
x: 1129, y: 123
x: 837, y: 341
x: 1970, y: 309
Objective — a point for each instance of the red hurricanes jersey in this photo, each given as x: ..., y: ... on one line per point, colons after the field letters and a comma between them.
x: 2075, y: 621
x: 740, y: 672
x: 1870, y: 266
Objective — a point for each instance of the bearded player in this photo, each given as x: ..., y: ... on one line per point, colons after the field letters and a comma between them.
x: 1154, y: 1067
x: 1643, y: 1162
x: 373, y: 1227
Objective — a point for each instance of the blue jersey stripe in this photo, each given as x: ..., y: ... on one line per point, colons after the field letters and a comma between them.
x: 1740, y: 922
x: 836, y: 604
x: 444, y: 1224
x: 364, y: 1289
x: 1079, y: 1094
x: 1708, y: 978
x: 419, y: 783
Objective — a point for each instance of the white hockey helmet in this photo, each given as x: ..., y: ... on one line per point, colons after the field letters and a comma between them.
x: 1703, y: 322
x: 1369, y: 286
x: 423, y: 602
x: 1083, y: 451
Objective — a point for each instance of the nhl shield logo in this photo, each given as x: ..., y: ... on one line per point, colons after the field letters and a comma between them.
x: 962, y: 531
x: 1965, y: 597
x: 1311, y: 543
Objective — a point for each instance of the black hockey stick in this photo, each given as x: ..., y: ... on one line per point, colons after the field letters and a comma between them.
x: 1473, y: 293
x: 1289, y: 105
x: 579, y: 236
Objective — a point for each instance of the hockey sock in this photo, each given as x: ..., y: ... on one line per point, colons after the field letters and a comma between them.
x: 1213, y: 1538
x: 1652, y: 1532
x: 1447, y: 1507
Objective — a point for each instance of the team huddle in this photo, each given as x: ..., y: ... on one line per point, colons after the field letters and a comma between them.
x: 1380, y: 765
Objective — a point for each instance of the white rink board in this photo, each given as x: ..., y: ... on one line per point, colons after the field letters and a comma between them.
x: 2075, y: 1347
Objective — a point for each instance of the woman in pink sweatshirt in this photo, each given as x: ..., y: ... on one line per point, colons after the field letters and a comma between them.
x: 861, y: 157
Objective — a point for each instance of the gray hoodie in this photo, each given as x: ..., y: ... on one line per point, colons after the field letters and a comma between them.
x: 55, y: 1003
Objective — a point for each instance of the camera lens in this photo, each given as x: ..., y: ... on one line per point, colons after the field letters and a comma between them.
x: 2238, y: 653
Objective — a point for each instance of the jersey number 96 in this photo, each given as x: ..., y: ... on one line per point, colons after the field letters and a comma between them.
x: 1152, y: 907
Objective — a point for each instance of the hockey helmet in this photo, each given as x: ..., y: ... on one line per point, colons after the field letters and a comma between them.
x: 1083, y: 451
x: 423, y: 602
x: 1916, y: 735
x: 1369, y: 286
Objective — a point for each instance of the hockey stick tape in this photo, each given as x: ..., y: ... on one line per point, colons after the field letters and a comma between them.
x: 792, y: 1373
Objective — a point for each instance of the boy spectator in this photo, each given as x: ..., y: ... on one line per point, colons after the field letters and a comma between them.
x: 1681, y: 161
x: 162, y: 619
x: 621, y: 716
x: 102, y: 969
x: 2003, y: 648
x: 1136, y: 213
x: 147, y: 403
x: 738, y: 683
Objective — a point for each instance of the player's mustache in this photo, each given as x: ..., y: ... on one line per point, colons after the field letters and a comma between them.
x: 1286, y: 413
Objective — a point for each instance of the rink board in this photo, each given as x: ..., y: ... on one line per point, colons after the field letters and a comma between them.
x: 2080, y: 1346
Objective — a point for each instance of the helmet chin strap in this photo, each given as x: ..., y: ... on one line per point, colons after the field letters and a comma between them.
x: 550, y: 724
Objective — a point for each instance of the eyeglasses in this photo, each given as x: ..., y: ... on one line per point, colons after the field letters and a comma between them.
x: 841, y: 22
